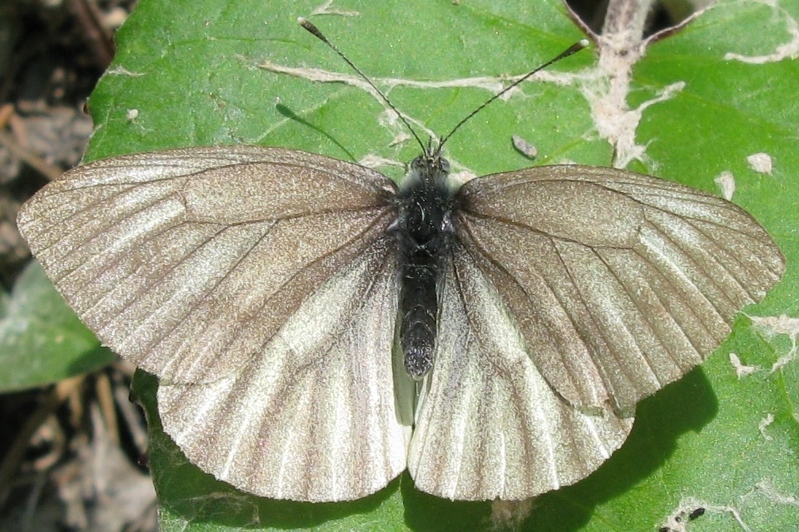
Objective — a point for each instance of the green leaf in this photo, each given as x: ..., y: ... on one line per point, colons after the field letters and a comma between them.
x: 188, y: 77
x: 41, y: 339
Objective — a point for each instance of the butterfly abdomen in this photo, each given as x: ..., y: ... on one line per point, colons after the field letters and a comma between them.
x: 423, y: 235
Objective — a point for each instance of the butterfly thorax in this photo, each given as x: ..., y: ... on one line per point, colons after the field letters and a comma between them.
x: 423, y: 232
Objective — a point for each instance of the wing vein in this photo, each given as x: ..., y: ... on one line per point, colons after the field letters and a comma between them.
x: 594, y: 318
x: 653, y: 331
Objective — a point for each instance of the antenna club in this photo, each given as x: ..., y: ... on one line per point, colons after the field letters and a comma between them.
x: 313, y: 30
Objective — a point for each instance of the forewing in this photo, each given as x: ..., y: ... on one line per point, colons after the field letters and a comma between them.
x: 188, y: 262
x: 313, y: 417
x: 488, y: 424
x: 620, y: 282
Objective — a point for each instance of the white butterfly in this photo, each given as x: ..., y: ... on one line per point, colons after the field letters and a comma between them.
x: 263, y: 287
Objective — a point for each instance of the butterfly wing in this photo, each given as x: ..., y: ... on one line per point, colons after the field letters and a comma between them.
x: 313, y: 417
x: 488, y: 424
x: 620, y: 282
x: 196, y: 264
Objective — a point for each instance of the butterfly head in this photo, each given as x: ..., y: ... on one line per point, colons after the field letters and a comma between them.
x: 429, y: 168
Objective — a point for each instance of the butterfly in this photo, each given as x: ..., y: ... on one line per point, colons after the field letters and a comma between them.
x: 317, y: 328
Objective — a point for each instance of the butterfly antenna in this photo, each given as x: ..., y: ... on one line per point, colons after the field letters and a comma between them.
x: 313, y: 30
x: 574, y: 48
